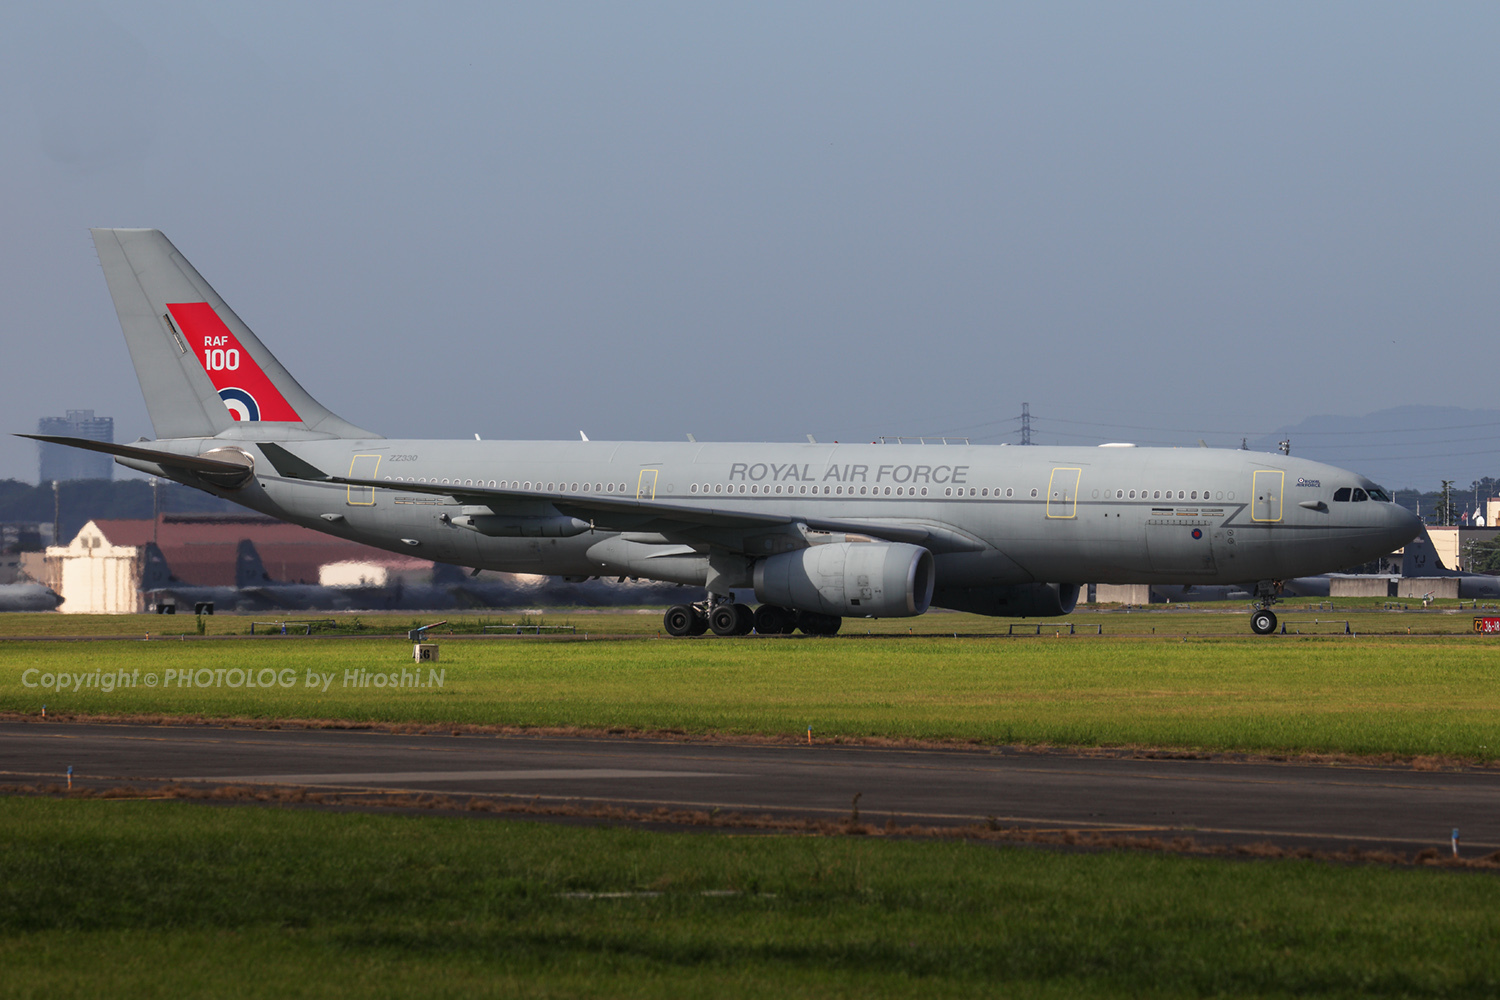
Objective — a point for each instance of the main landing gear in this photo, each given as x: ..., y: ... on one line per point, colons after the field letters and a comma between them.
x: 1263, y: 619
x: 728, y: 618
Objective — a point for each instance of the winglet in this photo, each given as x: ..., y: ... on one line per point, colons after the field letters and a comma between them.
x: 289, y: 465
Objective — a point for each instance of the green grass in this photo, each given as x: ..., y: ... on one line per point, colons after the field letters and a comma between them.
x: 1232, y: 618
x: 1408, y: 696
x: 138, y: 898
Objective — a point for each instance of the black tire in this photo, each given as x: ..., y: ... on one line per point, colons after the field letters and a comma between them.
x: 1263, y: 622
x: 724, y: 619
x: 679, y: 620
x: 699, y: 626
x: 772, y: 620
x: 812, y: 623
x: 747, y: 619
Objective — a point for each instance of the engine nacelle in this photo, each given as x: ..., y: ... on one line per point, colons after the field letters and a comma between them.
x: 1023, y: 600
x: 860, y: 579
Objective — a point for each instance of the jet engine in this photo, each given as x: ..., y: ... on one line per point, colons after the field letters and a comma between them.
x: 1024, y: 600
x: 860, y: 579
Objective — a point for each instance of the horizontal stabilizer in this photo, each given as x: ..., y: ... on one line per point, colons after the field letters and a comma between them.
x: 165, y: 459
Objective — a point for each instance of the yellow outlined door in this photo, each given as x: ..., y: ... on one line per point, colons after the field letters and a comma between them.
x: 1062, y: 493
x: 645, y: 486
x: 1266, y: 489
x: 362, y: 467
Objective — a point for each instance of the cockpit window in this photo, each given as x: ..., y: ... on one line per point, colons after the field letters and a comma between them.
x: 1341, y: 494
x: 1360, y: 494
x: 1376, y: 493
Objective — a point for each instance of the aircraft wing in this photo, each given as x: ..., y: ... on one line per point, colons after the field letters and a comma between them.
x: 635, y: 514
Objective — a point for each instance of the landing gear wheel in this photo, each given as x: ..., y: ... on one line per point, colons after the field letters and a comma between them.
x: 679, y: 620
x: 747, y: 619
x: 771, y: 620
x: 812, y: 623
x: 699, y: 626
x: 724, y: 619
x: 1263, y: 622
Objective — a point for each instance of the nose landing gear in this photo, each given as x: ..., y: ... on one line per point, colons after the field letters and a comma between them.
x: 1263, y: 619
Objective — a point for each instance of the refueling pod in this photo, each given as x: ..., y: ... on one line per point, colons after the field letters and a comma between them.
x: 859, y: 579
x: 514, y: 526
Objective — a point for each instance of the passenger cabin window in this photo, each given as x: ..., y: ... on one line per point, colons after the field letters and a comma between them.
x: 1360, y: 494
x: 1341, y: 495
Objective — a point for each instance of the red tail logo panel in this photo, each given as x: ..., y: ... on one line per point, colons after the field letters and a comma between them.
x: 243, y: 387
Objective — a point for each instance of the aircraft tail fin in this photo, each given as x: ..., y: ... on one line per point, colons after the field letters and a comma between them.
x: 156, y: 574
x: 201, y: 369
x: 249, y: 571
x: 1420, y: 558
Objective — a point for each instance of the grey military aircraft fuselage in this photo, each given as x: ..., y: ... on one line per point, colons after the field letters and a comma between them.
x: 818, y: 532
x: 991, y: 515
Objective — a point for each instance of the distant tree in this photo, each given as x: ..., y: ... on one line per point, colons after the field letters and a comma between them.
x: 1486, y: 557
x: 86, y: 500
x: 1446, y: 515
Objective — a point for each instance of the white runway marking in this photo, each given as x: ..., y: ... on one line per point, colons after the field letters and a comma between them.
x: 409, y: 777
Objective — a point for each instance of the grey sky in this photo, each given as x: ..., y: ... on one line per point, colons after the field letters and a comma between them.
x: 759, y: 221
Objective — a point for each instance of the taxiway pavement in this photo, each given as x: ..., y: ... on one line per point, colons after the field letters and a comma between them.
x: 1292, y: 804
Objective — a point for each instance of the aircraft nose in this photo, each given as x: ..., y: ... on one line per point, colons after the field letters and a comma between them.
x: 1401, y: 525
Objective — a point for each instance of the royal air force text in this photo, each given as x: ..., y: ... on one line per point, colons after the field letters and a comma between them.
x: 765, y: 471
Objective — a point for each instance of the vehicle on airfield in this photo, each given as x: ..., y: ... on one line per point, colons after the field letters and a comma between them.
x: 817, y: 531
x: 28, y: 597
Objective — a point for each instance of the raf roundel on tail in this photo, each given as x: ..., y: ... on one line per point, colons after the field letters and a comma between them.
x: 242, y: 405
x: 243, y: 387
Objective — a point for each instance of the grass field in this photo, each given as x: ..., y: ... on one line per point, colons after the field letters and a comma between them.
x: 1230, y: 618
x: 128, y: 899
x: 1402, y: 695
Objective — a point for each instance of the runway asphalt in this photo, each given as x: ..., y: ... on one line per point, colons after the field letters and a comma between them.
x: 1293, y: 804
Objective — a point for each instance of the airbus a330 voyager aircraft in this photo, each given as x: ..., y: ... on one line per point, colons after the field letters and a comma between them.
x: 819, y: 532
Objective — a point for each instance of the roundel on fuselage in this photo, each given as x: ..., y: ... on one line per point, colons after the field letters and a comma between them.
x: 242, y: 405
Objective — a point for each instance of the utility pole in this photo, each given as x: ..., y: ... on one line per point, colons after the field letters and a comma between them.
x: 56, y: 515
x: 155, y: 509
x: 1447, y: 518
x: 1285, y: 446
x: 1025, y: 423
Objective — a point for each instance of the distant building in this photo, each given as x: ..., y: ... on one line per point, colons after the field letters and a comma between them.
x: 25, y: 536
x: 61, y: 463
x: 99, y: 571
x: 1455, y: 543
